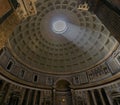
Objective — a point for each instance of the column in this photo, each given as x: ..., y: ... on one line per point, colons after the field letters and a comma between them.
x: 35, y: 94
x: 7, y: 96
x: 88, y: 99
x: 41, y: 98
x: 99, y: 90
x: 73, y: 96
x: 108, y: 98
x: 22, y: 96
x: 50, y: 95
x: 3, y: 86
x: 2, y: 92
x: 92, y: 92
x: 54, y: 92
x: 28, y: 97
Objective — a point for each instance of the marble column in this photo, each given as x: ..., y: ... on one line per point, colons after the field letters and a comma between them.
x: 35, y: 94
x: 22, y: 96
x: 7, y: 96
x: 93, y: 96
x: 88, y: 99
x: 2, y: 92
x: 99, y: 90
x: 108, y: 97
x: 28, y: 97
x: 54, y: 95
x: 3, y: 86
x: 41, y: 98
x: 73, y: 96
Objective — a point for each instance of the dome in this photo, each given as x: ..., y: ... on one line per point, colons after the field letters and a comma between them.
x: 59, y: 52
x: 61, y: 39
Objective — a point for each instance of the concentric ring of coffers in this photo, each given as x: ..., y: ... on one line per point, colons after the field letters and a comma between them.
x: 35, y: 44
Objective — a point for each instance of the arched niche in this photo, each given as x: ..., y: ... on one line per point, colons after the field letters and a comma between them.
x: 63, y: 95
x: 62, y: 85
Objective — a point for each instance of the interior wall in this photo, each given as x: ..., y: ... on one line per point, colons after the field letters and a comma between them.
x: 11, y: 94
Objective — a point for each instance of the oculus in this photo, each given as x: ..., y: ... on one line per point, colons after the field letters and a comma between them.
x: 59, y: 26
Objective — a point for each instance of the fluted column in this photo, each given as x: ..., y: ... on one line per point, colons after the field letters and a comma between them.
x: 7, y: 96
x: 28, y: 97
x: 54, y: 92
x: 88, y: 99
x: 2, y: 92
x: 35, y: 94
x: 99, y: 90
x: 92, y: 92
x: 73, y: 96
x: 22, y: 96
x: 41, y: 98
x: 108, y: 98
x: 3, y: 86
x: 44, y: 98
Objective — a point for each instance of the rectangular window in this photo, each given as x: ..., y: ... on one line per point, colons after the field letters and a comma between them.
x: 35, y: 78
x: 9, y: 66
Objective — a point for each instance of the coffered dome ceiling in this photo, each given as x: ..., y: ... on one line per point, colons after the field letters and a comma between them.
x: 84, y: 43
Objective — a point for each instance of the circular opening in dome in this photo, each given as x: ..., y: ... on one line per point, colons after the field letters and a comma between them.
x: 59, y: 26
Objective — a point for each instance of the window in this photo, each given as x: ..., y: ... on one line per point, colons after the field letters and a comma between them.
x: 35, y: 78
x: 10, y: 64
